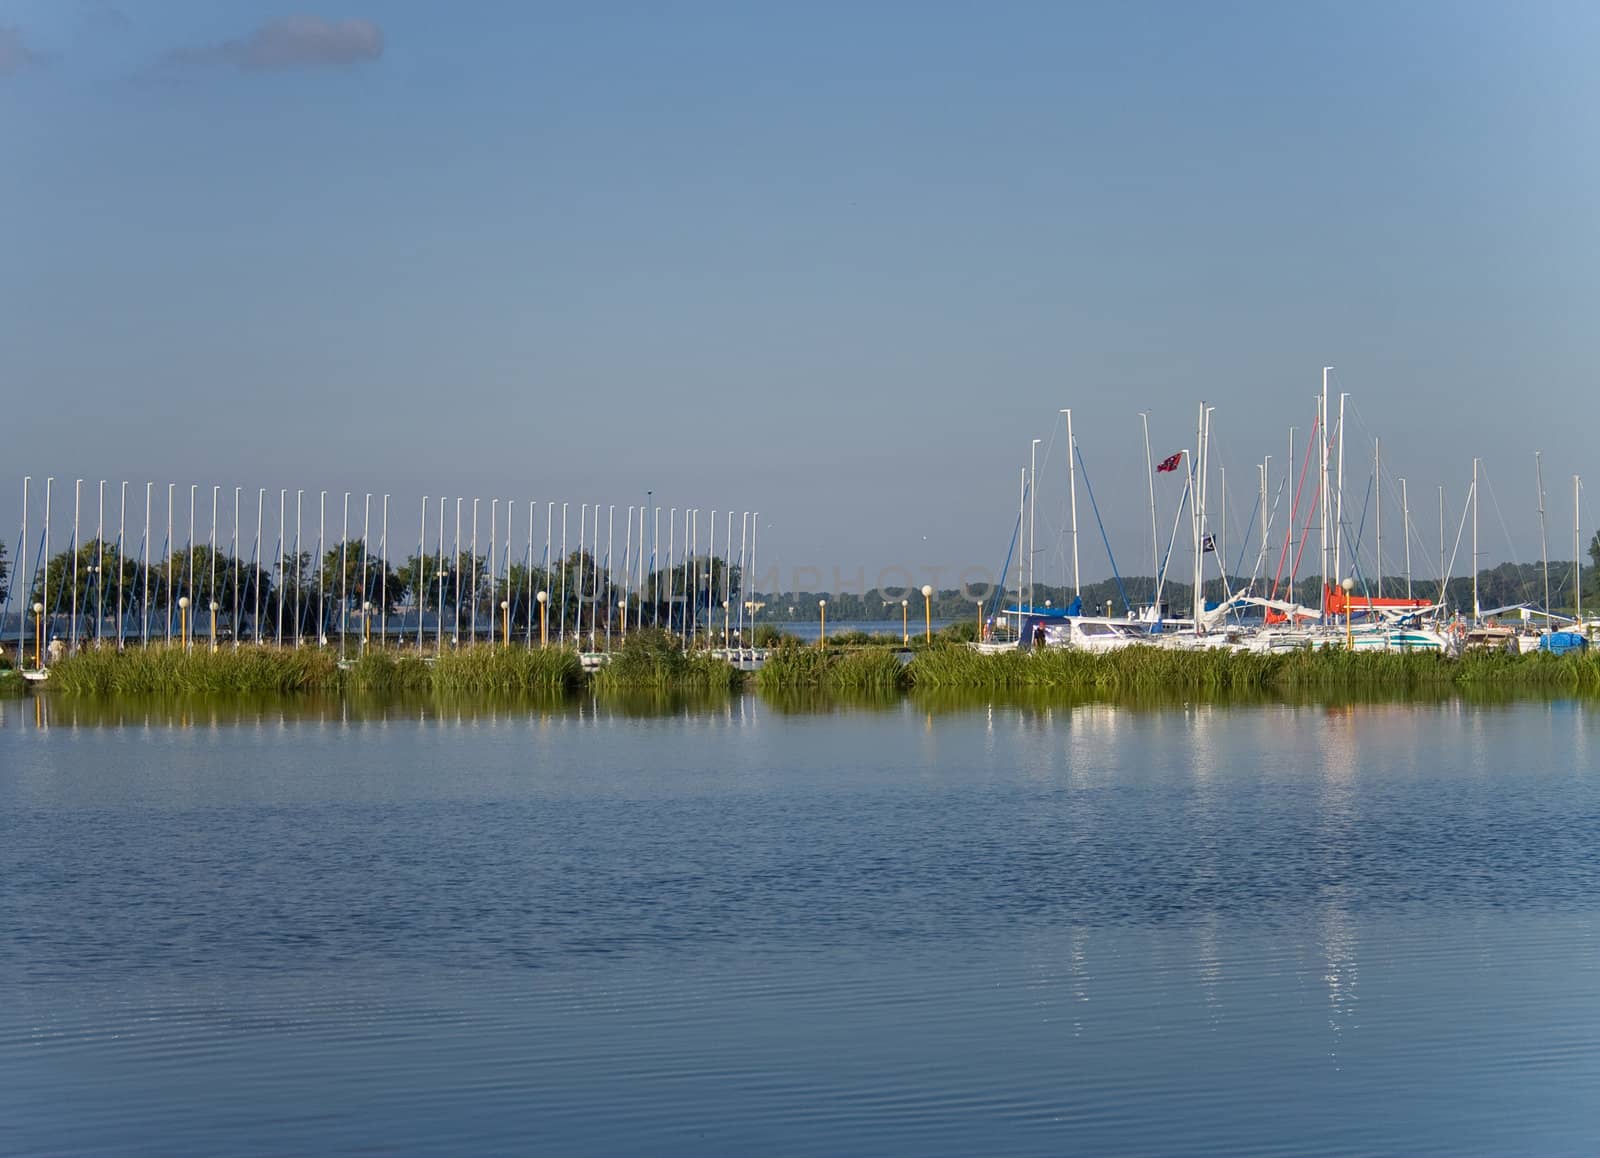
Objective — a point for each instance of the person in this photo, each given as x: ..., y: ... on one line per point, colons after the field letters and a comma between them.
x: 57, y: 650
x: 1038, y: 635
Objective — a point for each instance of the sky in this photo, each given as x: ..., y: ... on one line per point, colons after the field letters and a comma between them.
x: 836, y: 262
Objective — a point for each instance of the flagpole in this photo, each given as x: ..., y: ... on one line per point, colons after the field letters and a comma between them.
x: 1150, y: 478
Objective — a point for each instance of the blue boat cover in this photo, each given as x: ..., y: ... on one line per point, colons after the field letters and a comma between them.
x: 1561, y: 642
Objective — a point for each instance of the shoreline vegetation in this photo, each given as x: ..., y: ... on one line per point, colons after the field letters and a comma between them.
x: 652, y: 664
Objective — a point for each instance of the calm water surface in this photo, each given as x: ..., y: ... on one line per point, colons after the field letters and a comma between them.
x: 1000, y: 931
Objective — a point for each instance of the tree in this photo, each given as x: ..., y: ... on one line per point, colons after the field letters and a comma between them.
x: 343, y: 578
x: 88, y: 579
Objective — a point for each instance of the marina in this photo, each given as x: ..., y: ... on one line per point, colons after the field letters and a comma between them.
x: 931, y: 580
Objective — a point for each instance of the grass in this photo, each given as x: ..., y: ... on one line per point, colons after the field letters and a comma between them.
x: 252, y: 670
x: 832, y: 669
x: 654, y: 661
x: 485, y: 668
x: 1136, y: 669
x: 263, y: 670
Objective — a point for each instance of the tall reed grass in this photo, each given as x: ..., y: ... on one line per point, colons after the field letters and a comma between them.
x: 257, y: 670
x: 1155, y: 669
x: 486, y: 668
x: 655, y: 661
x: 162, y: 670
x: 832, y: 669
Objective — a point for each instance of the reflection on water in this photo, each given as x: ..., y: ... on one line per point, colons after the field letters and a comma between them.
x: 1031, y: 707
x: 734, y: 926
x: 212, y: 711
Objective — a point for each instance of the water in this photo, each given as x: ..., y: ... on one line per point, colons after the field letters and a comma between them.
x: 1285, y: 930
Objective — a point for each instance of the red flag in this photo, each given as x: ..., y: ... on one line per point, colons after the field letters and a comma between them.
x: 1170, y: 463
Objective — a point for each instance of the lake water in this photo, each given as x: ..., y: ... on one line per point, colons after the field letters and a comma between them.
x: 732, y: 930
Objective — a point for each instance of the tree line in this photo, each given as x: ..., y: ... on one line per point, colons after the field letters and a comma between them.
x: 1499, y: 586
x: 316, y: 596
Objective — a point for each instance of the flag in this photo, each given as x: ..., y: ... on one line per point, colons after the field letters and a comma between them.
x: 1209, y: 543
x: 1170, y: 463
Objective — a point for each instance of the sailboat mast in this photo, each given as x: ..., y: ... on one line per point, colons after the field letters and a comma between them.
x: 1377, y: 498
x: 1150, y: 478
x: 1294, y: 514
x: 1264, y: 463
x: 27, y: 578
x: 1338, y: 513
x: 1022, y: 511
x: 1442, y: 576
x: 1405, y: 531
x: 1033, y: 508
x: 77, y: 549
x: 1222, y: 531
x: 1072, y: 496
x: 1476, y: 606
x: 100, y: 556
x: 1577, y: 557
x: 1324, y: 496
x: 1196, y: 501
x: 1544, y: 547
x: 122, y: 554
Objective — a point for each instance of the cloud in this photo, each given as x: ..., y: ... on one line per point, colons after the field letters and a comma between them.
x: 15, y: 55
x: 102, y: 15
x: 294, y: 42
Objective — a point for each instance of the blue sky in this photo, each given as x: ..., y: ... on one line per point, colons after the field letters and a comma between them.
x: 836, y: 262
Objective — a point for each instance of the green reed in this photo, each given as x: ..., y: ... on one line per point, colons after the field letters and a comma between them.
x: 164, y: 670
x: 654, y: 660
x: 1217, y: 670
x: 486, y: 668
x: 833, y: 669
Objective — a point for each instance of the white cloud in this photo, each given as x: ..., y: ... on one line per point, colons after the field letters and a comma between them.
x: 295, y: 42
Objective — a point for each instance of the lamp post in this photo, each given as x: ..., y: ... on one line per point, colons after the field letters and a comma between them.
x: 979, y: 602
x: 183, y: 622
x: 215, y: 607
x: 366, y: 622
x: 622, y: 621
x: 505, y: 616
x: 544, y: 617
x: 1349, y: 585
x: 927, y: 612
x: 905, y: 623
x: 38, y: 636
x: 822, y: 605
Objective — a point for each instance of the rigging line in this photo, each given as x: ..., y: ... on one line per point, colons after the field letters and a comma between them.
x: 1005, y: 572
x: 1305, y: 537
x: 1525, y: 582
x: 5, y: 611
x: 1461, y: 527
x: 1177, y: 520
x: 1288, y: 531
x: 1266, y: 539
x: 1049, y: 446
x: 1393, y: 493
x: 1355, y: 547
x: 1095, y: 507
x: 1244, y: 544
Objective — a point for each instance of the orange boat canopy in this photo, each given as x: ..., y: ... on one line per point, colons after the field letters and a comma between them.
x: 1338, y: 603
